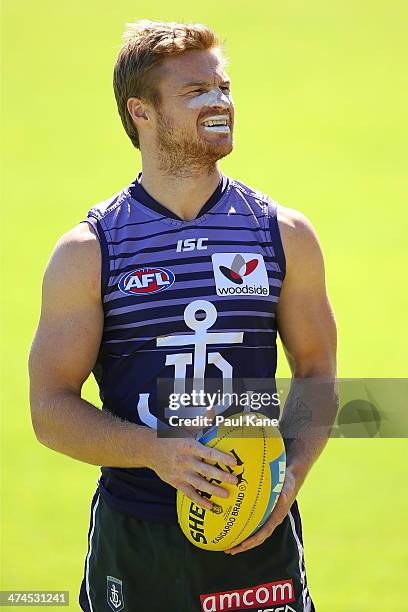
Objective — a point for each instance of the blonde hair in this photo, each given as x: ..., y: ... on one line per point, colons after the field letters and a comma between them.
x: 146, y: 45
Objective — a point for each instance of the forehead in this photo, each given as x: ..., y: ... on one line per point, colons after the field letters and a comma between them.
x: 195, y: 65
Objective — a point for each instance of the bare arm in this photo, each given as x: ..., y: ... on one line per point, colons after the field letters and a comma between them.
x: 62, y: 355
x: 307, y: 328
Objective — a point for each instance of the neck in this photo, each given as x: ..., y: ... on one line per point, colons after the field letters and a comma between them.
x: 183, y: 195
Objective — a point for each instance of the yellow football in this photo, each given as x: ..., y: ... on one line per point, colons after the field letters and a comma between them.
x: 261, y: 463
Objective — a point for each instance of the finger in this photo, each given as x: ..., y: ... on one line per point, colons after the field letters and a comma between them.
x: 251, y: 542
x: 203, y: 485
x: 264, y: 532
x: 255, y: 540
x: 281, y: 509
x: 212, y: 454
x: 210, y: 471
x: 283, y: 505
x: 192, y: 494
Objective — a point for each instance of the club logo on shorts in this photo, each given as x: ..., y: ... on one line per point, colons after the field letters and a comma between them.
x: 145, y: 281
x: 114, y: 593
x: 262, y: 595
x: 240, y: 274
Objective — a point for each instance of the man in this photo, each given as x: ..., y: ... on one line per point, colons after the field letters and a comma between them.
x: 130, y: 293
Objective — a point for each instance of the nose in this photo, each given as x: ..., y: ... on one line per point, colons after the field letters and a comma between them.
x: 216, y: 98
x: 222, y: 99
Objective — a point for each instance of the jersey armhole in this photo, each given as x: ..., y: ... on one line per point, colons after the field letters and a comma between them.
x: 276, y: 236
x: 97, y: 227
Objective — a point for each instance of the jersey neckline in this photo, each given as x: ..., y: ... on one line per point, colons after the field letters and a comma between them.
x: 137, y: 193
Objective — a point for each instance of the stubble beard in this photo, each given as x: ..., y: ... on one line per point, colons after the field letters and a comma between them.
x: 183, y: 155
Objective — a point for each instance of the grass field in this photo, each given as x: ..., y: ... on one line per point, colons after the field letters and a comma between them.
x: 321, y: 96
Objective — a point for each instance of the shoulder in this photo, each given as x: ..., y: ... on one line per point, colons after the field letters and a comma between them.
x: 75, y: 262
x: 301, y: 244
x: 80, y: 244
x: 297, y: 231
x: 108, y: 210
x: 249, y: 192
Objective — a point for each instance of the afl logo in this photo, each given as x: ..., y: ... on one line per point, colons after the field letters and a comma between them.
x: 145, y: 281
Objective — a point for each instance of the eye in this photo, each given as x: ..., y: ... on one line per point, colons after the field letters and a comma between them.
x: 226, y: 88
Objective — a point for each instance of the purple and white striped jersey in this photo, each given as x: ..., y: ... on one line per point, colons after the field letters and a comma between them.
x: 185, y: 300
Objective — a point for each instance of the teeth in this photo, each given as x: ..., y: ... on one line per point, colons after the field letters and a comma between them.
x: 209, y: 123
x: 215, y: 121
x: 222, y: 129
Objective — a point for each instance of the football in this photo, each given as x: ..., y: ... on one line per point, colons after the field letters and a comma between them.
x: 259, y: 450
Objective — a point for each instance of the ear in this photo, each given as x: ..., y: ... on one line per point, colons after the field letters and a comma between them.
x: 137, y: 110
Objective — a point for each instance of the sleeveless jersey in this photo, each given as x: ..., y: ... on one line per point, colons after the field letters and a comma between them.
x: 182, y: 300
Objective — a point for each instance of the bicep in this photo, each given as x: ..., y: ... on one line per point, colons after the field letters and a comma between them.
x: 67, y: 340
x: 305, y: 317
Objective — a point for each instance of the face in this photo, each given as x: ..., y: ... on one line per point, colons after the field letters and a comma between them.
x: 193, y: 124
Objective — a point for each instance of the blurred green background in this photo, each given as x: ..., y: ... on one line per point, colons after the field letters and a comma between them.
x: 321, y: 97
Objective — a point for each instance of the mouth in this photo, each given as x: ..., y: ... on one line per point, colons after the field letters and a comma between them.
x: 219, y: 124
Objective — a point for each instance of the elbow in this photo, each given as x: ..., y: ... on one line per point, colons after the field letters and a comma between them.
x: 41, y: 410
x: 47, y: 416
x: 313, y: 366
x: 38, y: 420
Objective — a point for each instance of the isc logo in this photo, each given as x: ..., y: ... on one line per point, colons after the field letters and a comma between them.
x: 191, y: 244
x: 145, y: 281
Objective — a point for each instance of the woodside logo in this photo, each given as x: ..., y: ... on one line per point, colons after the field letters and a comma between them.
x: 240, y: 274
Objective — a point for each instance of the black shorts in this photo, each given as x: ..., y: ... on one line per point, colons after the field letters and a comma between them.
x: 144, y: 566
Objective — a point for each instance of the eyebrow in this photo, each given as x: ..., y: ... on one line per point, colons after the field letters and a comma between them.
x: 201, y: 83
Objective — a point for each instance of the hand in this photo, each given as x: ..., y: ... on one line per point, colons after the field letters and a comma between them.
x: 181, y: 463
x: 286, y: 498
